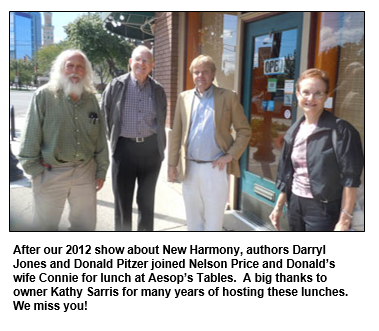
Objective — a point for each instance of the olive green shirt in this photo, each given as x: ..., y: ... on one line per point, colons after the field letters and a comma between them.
x: 59, y: 130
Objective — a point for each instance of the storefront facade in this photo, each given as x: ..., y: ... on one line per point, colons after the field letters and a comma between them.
x: 260, y: 55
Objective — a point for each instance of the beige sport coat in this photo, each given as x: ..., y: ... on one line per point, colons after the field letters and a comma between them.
x: 228, y: 112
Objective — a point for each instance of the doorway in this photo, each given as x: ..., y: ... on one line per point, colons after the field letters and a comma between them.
x: 271, y: 66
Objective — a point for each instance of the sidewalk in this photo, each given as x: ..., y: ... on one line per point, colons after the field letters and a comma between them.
x: 169, y: 205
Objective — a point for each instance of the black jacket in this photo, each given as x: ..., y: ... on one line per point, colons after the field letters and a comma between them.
x: 327, y: 176
x: 113, y: 100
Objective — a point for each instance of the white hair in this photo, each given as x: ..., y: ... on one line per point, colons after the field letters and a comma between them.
x: 142, y: 48
x: 57, y: 77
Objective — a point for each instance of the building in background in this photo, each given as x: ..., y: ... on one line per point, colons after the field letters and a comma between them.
x: 260, y: 55
x: 48, y: 28
x: 25, y: 35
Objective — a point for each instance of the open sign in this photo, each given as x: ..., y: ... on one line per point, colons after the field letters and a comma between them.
x: 274, y: 66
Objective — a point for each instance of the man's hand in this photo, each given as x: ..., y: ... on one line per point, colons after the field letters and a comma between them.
x: 222, y: 161
x: 99, y: 184
x: 172, y: 174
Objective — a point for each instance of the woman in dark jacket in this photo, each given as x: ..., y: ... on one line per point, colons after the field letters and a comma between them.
x: 316, y: 176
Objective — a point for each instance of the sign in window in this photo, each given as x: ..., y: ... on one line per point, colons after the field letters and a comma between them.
x: 274, y: 66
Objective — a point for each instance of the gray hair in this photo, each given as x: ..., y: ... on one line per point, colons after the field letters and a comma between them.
x: 142, y: 48
x: 57, y: 71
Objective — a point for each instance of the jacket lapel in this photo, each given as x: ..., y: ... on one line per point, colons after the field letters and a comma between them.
x: 218, y: 105
x: 188, y: 102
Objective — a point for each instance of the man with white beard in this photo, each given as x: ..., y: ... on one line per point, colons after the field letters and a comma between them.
x: 63, y: 146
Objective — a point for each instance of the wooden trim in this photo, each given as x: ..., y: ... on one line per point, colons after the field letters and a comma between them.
x: 312, y: 40
x: 193, y: 43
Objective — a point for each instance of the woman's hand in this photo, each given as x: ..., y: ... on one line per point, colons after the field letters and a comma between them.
x: 349, y: 196
x: 275, y: 216
x: 277, y: 212
x: 343, y: 223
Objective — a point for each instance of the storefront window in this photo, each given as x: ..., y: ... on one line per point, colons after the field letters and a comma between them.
x: 340, y: 52
x: 214, y: 34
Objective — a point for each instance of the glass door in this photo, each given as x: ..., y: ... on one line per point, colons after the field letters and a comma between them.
x: 271, y: 67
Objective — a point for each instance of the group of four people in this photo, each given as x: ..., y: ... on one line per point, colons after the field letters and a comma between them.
x: 64, y: 149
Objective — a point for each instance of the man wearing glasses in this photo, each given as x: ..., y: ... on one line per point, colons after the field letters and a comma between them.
x: 134, y: 106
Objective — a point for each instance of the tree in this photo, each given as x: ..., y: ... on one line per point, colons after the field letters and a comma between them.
x: 24, y: 70
x: 103, y: 50
x: 47, y: 54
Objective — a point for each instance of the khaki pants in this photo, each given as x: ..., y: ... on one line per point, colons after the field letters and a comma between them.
x: 71, y: 182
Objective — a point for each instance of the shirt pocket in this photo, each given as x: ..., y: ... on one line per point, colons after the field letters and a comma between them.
x: 92, y: 127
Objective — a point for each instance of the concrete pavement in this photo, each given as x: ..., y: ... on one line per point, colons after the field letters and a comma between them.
x: 169, y: 205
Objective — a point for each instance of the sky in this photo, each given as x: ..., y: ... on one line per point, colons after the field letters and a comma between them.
x: 59, y: 20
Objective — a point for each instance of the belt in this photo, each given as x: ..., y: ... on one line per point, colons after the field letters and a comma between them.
x: 46, y: 165
x: 140, y: 140
x: 199, y: 161
x: 49, y: 167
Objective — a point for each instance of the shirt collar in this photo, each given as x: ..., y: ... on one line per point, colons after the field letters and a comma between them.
x: 207, y: 94
x: 135, y: 81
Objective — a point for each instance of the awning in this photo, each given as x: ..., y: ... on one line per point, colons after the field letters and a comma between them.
x: 130, y: 24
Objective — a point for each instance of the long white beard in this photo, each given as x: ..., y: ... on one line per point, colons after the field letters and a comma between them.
x: 71, y: 88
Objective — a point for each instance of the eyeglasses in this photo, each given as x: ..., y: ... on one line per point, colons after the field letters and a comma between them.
x: 142, y: 60
x: 317, y: 95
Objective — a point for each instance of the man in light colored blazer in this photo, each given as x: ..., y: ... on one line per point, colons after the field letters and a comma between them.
x: 202, y: 150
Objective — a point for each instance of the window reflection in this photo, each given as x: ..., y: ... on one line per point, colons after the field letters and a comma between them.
x: 272, y: 99
x: 340, y: 52
x: 218, y: 38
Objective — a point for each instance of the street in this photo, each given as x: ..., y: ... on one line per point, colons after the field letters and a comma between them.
x: 169, y: 205
x: 168, y: 218
x: 20, y: 100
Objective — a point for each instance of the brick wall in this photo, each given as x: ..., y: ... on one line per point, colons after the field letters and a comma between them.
x: 166, y: 53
